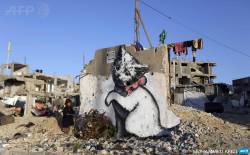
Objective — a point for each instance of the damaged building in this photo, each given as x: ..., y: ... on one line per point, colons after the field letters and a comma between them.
x: 192, y: 76
x: 242, y: 89
x: 191, y: 73
x: 18, y: 85
x: 190, y: 79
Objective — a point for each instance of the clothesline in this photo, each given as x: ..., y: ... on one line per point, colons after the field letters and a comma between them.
x: 181, y: 48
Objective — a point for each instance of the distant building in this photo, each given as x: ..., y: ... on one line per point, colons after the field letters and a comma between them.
x: 16, y: 80
x: 20, y: 82
x: 191, y: 73
x: 242, y: 88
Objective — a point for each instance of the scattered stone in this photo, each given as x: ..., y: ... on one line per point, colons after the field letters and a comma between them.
x: 197, y: 130
x: 18, y: 135
x: 59, y: 149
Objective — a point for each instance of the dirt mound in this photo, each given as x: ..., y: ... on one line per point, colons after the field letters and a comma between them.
x: 41, y: 125
x: 51, y: 125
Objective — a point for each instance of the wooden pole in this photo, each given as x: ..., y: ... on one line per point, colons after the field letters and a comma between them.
x: 137, y: 34
x: 145, y: 30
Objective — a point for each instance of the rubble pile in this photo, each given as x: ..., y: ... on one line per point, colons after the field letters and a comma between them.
x: 6, y: 119
x: 211, y: 131
x: 93, y: 125
x: 198, y: 130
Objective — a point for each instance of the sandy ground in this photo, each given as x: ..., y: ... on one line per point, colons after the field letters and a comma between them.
x: 42, y: 124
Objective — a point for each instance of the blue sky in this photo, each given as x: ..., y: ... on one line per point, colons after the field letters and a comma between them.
x: 53, y: 34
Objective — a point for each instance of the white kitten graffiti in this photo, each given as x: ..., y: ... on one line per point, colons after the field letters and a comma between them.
x: 130, y: 94
x: 130, y: 98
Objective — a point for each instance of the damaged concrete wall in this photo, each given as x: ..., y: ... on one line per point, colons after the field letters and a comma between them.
x: 189, y: 73
x: 19, y: 71
x: 155, y: 58
x: 137, y: 82
x: 13, y: 87
x: 37, y: 84
x: 242, y: 88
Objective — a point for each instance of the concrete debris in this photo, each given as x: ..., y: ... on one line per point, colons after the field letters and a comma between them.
x: 195, y: 100
x: 241, y: 87
x: 212, y: 131
x: 21, y: 88
x: 93, y: 125
x: 15, y: 101
x: 189, y: 73
x: 198, y: 130
x: 6, y: 120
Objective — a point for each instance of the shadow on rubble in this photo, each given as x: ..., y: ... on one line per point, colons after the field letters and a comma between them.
x: 58, y: 116
x: 236, y: 115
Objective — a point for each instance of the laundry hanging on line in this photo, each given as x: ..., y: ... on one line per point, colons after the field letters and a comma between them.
x: 197, y: 44
x: 180, y: 48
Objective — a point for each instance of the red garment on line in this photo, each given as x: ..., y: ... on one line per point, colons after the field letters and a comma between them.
x: 180, y: 48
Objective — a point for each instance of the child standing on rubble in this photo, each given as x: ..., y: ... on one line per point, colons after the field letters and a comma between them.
x: 68, y: 116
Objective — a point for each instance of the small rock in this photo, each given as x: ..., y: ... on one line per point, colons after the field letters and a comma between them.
x: 134, y: 152
x: 103, y: 152
x: 59, y: 149
x: 148, y: 150
x: 88, y: 147
x: 5, y: 145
